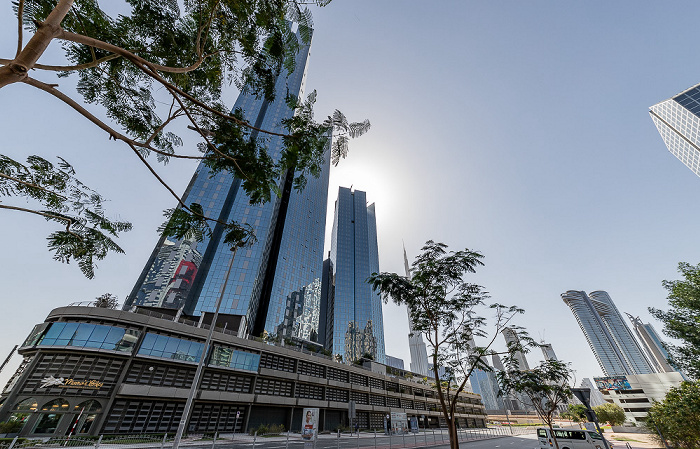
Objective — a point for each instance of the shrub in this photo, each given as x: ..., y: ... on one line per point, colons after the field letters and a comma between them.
x: 11, y: 426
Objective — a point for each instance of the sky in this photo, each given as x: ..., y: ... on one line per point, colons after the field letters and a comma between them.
x: 518, y: 129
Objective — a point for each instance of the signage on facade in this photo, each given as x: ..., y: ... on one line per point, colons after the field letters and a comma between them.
x: 612, y: 383
x: 61, y: 382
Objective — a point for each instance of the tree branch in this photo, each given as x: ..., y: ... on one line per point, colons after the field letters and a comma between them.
x: 151, y: 70
x: 34, y: 186
x: 47, y: 215
x: 114, y: 134
x: 20, y: 31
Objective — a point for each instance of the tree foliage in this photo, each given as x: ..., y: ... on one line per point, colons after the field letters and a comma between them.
x: 106, y: 301
x: 159, y: 67
x: 682, y: 320
x: 546, y: 386
x: 54, y: 193
x: 575, y: 413
x: 610, y: 413
x: 677, y: 417
x: 446, y: 309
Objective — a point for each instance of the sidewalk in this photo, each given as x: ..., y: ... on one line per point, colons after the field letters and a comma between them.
x: 635, y: 440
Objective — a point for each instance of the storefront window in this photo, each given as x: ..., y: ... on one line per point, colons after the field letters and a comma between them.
x: 27, y: 405
x: 88, y: 406
x: 99, y: 336
x: 47, y: 423
x: 57, y: 405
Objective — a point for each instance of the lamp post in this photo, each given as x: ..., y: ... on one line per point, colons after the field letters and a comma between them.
x: 200, y: 366
x: 584, y: 395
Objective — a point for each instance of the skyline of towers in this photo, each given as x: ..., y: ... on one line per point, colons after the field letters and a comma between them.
x: 678, y: 121
x: 612, y: 342
x: 355, y: 324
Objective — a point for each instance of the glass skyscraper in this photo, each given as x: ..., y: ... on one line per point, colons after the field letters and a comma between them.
x: 354, y: 312
x: 653, y: 345
x: 678, y: 122
x: 275, y: 283
x: 612, y: 342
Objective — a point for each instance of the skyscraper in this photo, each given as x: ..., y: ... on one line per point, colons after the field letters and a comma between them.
x: 678, y: 122
x: 512, y: 338
x: 274, y: 285
x: 419, y: 352
x: 612, y: 342
x: 652, y: 344
x: 485, y: 383
x: 548, y: 352
x: 355, y: 324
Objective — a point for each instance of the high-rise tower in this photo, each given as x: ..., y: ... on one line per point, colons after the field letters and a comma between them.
x: 612, y: 342
x: 419, y: 352
x: 355, y: 322
x: 548, y: 352
x: 678, y: 122
x: 653, y: 345
x: 274, y: 284
x: 512, y: 338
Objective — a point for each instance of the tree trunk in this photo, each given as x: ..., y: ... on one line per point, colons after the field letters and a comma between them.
x: 452, y: 431
x: 551, y: 432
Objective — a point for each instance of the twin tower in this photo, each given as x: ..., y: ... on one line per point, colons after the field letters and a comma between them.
x: 280, y: 286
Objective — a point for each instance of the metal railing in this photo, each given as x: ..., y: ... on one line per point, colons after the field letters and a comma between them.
x: 363, y: 439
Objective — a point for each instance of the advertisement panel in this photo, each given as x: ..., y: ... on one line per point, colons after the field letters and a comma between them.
x: 612, y: 383
x: 309, y: 424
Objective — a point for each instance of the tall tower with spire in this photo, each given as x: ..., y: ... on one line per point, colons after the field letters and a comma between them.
x: 419, y: 352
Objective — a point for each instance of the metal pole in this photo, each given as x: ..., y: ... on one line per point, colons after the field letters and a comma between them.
x: 661, y: 435
x: 337, y: 440
x: 8, y: 358
x: 97, y: 443
x: 213, y: 443
x: 162, y: 444
x: 200, y: 366
x: 286, y: 445
x: 375, y: 438
x: 13, y: 443
x: 358, y: 438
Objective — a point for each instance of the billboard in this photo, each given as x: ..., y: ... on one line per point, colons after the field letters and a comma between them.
x: 309, y: 424
x: 612, y: 383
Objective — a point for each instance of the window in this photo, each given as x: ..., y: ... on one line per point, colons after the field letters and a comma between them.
x: 88, y: 335
x: 57, y: 405
x: 27, y: 405
x: 541, y: 433
x: 233, y: 358
x: 166, y: 347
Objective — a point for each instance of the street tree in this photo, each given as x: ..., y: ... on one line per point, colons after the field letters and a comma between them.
x: 682, y: 320
x: 106, y: 301
x: 145, y: 75
x: 677, y: 417
x: 610, y: 413
x: 575, y: 413
x: 447, y: 310
x: 546, y: 386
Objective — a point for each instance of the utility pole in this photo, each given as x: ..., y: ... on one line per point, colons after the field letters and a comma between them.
x: 200, y: 367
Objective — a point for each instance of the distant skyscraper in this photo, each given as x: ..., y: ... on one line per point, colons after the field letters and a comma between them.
x: 512, y: 338
x: 596, y: 396
x: 274, y: 285
x: 485, y: 384
x: 394, y: 362
x: 355, y: 322
x: 548, y: 352
x: 419, y: 352
x: 678, y: 122
x: 612, y: 342
x: 652, y: 344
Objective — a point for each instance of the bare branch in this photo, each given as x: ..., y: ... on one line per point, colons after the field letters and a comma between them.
x: 20, y: 31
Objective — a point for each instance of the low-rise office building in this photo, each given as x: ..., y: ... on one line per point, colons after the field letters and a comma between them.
x: 91, y: 371
x: 636, y: 393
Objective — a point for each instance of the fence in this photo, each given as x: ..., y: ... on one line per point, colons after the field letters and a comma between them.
x: 364, y: 439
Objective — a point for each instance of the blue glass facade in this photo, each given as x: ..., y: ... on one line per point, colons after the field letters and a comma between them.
x: 355, y: 323
x: 163, y: 346
x: 275, y: 279
x: 85, y: 335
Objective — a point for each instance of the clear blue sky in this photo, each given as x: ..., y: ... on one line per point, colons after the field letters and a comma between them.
x: 519, y: 129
